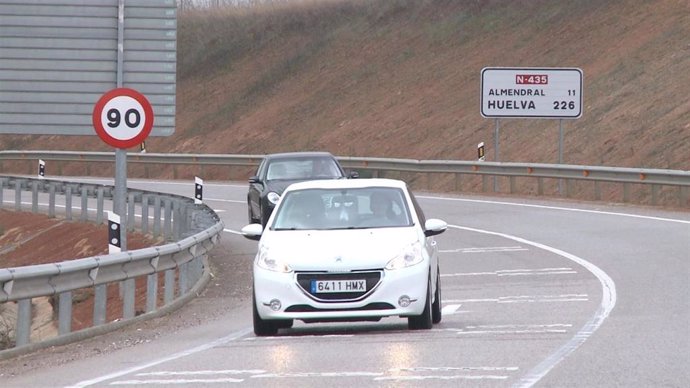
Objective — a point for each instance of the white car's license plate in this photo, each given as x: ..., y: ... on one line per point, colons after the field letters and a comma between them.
x: 325, y: 286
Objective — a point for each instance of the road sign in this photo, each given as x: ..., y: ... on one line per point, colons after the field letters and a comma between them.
x: 531, y: 92
x: 123, y: 118
x: 57, y: 57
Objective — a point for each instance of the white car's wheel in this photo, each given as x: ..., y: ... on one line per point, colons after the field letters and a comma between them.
x: 423, y: 321
x: 262, y: 327
x: 436, y: 306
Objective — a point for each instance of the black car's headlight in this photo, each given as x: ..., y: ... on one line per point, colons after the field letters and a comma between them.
x: 273, y: 197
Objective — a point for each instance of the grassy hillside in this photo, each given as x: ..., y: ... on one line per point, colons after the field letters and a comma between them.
x: 401, y: 78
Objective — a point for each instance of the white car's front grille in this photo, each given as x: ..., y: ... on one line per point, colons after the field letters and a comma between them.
x: 339, y: 286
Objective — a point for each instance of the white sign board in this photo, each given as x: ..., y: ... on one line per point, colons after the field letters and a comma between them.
x: 531, y: 92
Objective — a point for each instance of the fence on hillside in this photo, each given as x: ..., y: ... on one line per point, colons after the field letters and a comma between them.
x: 188, y: 230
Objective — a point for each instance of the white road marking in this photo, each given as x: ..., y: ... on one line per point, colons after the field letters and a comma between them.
x: 457, y: 368
x: 516, y: 272
x: 202, y: 372
x: 608, y: 302
x: 224, y: 380
x: 317, y: 374
x: 453, y: 377
x: 450, y: 309
x: 203, y: 347
x: 484, y: 250
x: 525, y: 299
x: 556, y: 208
x: 225, y: 200
x: 294, y: 337
x: 553, y: 328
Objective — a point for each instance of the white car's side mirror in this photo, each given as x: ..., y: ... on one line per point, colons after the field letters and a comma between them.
x: 252, y: 231
x: 434, y: 226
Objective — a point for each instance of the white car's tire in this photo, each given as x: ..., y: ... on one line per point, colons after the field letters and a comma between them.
x: 423, y: 321
x: 262, y: 327
x: 436, y: 314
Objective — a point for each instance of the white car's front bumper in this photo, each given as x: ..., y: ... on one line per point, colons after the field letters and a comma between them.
x: 383, y: 301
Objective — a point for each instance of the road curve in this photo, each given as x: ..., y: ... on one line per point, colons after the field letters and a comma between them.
x: 535, y: 293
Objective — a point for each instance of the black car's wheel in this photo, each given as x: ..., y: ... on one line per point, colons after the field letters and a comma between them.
x: 262, y: 327
x: 264, y: 217
x: 436, y: 306
x: 252, y: 220
x: 423, y: 321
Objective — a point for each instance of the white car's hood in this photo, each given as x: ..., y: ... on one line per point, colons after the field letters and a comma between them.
x: 329, y: 250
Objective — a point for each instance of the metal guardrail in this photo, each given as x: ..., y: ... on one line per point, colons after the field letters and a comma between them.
x: 627, y: 177
x: 193, y: 230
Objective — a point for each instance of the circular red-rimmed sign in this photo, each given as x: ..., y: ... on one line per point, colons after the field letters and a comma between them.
x: 123, y: 118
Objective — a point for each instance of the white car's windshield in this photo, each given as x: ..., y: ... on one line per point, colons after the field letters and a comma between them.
x: 370, y: 207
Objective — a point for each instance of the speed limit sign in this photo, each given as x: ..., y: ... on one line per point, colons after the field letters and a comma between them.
x: 123, y: 118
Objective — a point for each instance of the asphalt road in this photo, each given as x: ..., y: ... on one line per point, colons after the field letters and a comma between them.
x: 535, y: 293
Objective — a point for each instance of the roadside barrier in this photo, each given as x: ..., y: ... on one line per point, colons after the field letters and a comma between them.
x: 189, y: 230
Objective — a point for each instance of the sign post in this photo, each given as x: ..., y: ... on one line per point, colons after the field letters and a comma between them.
x: 122, y: 118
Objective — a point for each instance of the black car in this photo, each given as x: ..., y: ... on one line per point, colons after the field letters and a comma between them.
x: 277, y: 171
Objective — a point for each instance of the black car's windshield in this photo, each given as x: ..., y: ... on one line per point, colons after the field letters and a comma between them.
x: 303, y: 168
x: 354, y: 208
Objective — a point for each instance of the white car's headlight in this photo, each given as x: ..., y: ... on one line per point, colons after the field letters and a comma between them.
x: 265, y: 261
x: 273, y: 197
x: 411, y: 255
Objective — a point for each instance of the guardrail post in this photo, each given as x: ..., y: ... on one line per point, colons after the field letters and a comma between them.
x: 184, y: 278
x: 654, y: 194
x: 458, y: 182
x: 167, y: 223
x: 169, y: 293
x: 130, y: 211
x: 18, y: 195
x: 626, y: 192
x: 51, y: 201
x: 156, y: 216
x: 65, y: 313
x: 24, y: 322
x: 597, y: 191
x: 683, y: 196
x: 177, y: 220
x: 68, y: 203
x: 512, y: 184
x: 485, y: 184
x: 100, y: 297
x: 84, y: 204
x: 99, y: 205
x: 144, y: 214
x: 34, y: 197
x: 128, y: 298
x: 540, y: 186
x: 151, y: 291
x: 2, y: 188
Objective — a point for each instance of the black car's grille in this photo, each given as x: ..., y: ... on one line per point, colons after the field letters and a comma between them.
x: 306, y: 281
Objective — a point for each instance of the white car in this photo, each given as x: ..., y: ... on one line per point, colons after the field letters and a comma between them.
x: 346, y: 250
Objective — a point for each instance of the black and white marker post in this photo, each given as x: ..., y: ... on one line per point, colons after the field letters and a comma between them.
x: 41, y: 169
x: 480, y: 152
x: 114, y: 234
x: 198, y: 190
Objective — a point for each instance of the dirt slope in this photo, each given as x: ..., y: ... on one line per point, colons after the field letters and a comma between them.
x: 398, y: 78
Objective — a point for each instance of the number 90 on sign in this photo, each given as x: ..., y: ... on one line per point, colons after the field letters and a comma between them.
x: 123, y: 118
